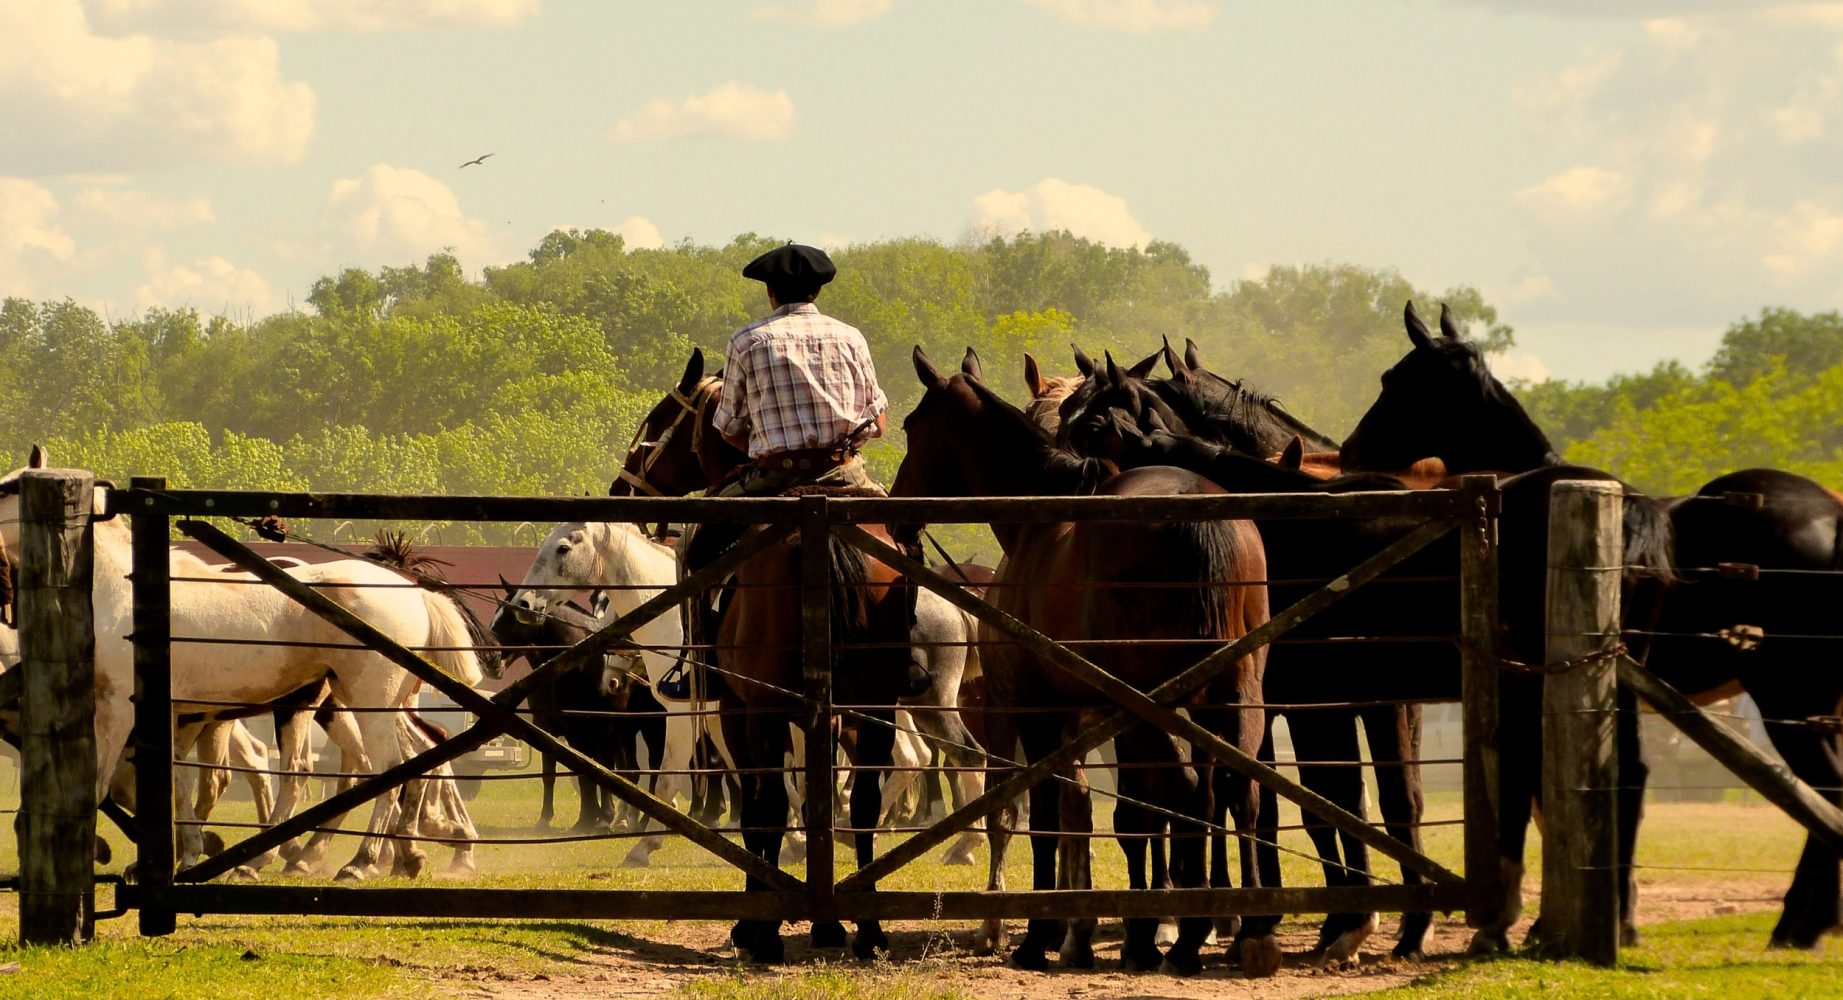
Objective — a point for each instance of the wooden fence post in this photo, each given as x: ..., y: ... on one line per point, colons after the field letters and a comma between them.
x: 153, y: 713
x: 1478, y: 602
x: 57, y: 639
x: 816, y: 656
x: 1580, y: 877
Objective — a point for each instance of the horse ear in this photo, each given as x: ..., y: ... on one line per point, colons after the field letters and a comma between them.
x: 1173, y: 362
x: 1417, y: 330
x: 1193, y: 355
x: 970, y: 366
x: 506, y: 586
x: 931, y: 377
x: 39, y: 459
x: 1033, y: 376
x: 694, y: 372
x: 1448, y: 325
x: 1114, y: 375
x: 1294, y: 455
x: 1145, y: 366
x: 1083, y: 363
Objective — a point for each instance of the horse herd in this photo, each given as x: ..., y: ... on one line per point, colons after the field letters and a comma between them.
x: 1104, y: 587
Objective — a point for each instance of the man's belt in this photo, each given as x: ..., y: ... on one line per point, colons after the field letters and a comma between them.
x: 805, y: 460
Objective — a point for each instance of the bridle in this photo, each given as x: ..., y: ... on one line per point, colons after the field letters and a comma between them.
x: 694, y: 406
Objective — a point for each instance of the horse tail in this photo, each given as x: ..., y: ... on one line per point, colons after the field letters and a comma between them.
x: 850, y: 573
x: 448, y: 629
x: 1209, y: 558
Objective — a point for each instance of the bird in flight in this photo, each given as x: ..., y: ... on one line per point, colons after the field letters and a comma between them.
x: 476, y: 161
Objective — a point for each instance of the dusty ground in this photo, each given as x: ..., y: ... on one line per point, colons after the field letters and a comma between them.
x: 655, y: 959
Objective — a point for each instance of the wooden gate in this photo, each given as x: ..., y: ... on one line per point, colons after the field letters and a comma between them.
x: 162, y: 892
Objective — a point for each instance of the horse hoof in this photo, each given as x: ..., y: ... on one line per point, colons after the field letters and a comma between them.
x: 1028, y: 959
x: 104, y: 854
x: 1076, y: 955
x: 1782, y: 942
x: 129, y: 874
x: 957, y: 856
x: 1226, y: 929
x: 241, y: 873
x: 869, y: 943
x: 1166, y: 935
x: 350, y: 873
x: 1405, y: 953
x: 1628, y: 934
x: 768, y: 949
x: 1489, y: 941
x: 1260, y: 956
x: 1181, y: 967
x: 829, y: 934
x: 298, y: 869
x: 990, y: 938
x: 1141, y: 960
x: 637, y: 860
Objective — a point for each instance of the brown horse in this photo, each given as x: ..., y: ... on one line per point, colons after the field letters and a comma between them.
x: 1157, y: 580
x: 758, y: 663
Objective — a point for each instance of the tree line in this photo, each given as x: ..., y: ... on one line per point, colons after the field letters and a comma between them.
x: 531, y: 378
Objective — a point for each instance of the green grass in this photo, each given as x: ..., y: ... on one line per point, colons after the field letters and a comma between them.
x: 1720, y: 958
x: 340, y: 958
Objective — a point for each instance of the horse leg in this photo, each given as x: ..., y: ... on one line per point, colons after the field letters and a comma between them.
x: 677, y: 742
x: 1394, y: 734
x: 965, y: 785
x: 248, y: 752
x: 1812, y: 902
x: 876, y: 748
x: 1254, y: 810
x: 1519, y: 782
x: 1001, y: 730
x: 1075, y: 857
x: 762, y: 738
x: 1633, y: 775
x: 1040, y: 733
x: 1331, y: 735
x: 185, y: 795
x: 380, y: 733
x: 548, y: 812
x: 342, y: 731
x: 1136, y: 829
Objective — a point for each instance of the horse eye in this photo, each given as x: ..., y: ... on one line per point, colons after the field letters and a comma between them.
x: 563, y: 550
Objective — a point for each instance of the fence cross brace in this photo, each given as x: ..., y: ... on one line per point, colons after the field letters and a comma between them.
x: 1154, y: 707
x: 495, y: 715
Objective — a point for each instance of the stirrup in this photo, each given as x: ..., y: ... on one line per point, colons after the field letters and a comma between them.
x: 676, y: 684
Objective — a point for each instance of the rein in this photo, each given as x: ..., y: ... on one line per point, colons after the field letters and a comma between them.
x: 696, y: 406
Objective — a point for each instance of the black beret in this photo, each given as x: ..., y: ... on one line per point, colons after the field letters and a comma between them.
x: 793, y: 264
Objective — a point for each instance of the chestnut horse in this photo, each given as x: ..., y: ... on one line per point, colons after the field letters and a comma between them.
x: 1195, y: 583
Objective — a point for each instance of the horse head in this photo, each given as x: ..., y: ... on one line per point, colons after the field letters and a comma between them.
x: 676, y: 450
x: 1046, y: 395
x: 1441, y: 401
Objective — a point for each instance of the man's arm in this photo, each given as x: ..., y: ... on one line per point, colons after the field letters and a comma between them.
x: 882, y: 425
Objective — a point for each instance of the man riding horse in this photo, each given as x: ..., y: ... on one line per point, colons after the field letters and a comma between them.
x: 800, y: 395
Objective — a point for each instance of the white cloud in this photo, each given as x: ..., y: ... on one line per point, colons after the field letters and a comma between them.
x: 639, y: 233
x: 1707, y: 178
x: 1579, y: 191
x: 1133, y: 17
x: 211, y: 285
x: 728, y: 111
x: 825, y: 13
x: 76, y: 101
x: 29, y: 235
x: 1525, y: 367
x: 400, y: 215
x: 129, y: 208
x: 191, y: 17
x: 1053, y: 203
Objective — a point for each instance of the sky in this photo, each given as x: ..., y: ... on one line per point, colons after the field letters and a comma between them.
x: 1621, y: 178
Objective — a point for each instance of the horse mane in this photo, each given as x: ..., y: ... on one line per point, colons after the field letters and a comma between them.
x: 1650, y: 539
x: 1066, y: 472
x: 1258, y: 416
x: 1493, y: 392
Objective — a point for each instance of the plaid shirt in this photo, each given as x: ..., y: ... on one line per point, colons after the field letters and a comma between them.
x: 797, y: 380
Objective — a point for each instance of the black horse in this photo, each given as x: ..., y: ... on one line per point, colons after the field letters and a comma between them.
x: 606, y: 739
x: 1442, y: 401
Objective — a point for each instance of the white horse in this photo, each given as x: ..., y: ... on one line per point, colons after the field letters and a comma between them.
x: 630, y: 569
x: 234, y: 609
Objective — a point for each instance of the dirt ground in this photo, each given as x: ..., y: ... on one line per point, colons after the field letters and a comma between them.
x: 662, y: 958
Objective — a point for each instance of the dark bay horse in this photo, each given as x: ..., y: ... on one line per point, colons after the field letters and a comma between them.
x: 758, y: 649
x: 1083, y: 582
x: 1441, y: 400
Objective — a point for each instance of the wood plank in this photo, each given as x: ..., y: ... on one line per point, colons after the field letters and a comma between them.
x: 627, y: 904
x: 816, y: 675
x: 766, y: 510
x: 494, y: 714
x: 1580, y: 755
x: 150, y: 549
x: 1478, y: 613
x: 1770, y: 777
x: 1170, y: 693
x: 56, y: 824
